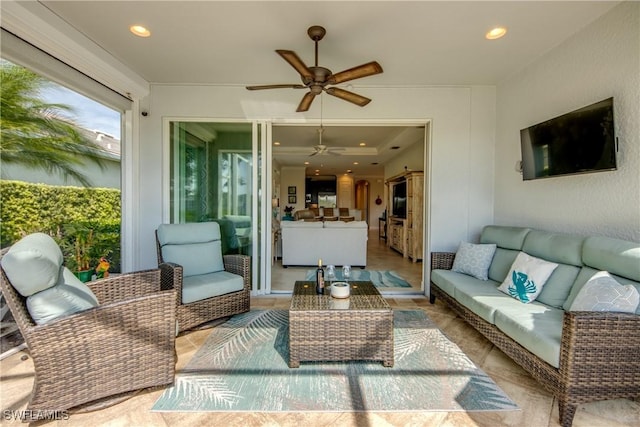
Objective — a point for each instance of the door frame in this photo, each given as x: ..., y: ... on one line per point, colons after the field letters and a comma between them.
x: 427, y: 159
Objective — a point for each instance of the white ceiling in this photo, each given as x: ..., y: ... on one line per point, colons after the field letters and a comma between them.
x: 416, y: 42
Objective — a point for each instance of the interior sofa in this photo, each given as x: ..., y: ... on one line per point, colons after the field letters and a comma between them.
x: 579, y: 356
x: 335, y: 242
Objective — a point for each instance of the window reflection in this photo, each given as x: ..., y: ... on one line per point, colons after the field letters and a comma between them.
x: 211, y: 179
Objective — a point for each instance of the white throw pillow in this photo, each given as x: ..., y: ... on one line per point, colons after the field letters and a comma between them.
x: 526, y: 277
x: 474, y: 260
x: 603, y: 293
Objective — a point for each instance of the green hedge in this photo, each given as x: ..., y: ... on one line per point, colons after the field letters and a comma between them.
x: 29, y: 208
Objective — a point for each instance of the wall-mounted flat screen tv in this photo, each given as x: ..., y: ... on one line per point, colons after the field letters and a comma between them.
x: 581, y: 141
x: 399, y: 208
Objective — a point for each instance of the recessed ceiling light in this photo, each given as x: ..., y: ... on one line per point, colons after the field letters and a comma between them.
x: 306, y: 163
x: 276, y: 143
x: 362, y: 144
x: 496, y: 33
x: 140, y: 31
x: 355, y: 163
x: 317, y: 170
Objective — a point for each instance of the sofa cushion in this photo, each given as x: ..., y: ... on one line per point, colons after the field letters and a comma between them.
x: 503, y: 236
x: 618, y: 257
x: 564, y: 249
x: 33, y: 263
x: 526, y: 277
x: 603, y: 293
x: 447, y: 280
x: 482, y: 297
x: 586, y: 273
x: 474, y: 260
x: 502, y: 261
x: 554, y: 247
x: 203, y: 286
x: 536, y: 326
x: 68, y: 296
x: 556, y: 291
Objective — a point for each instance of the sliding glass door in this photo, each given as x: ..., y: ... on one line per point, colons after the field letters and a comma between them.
x: 214, y: 175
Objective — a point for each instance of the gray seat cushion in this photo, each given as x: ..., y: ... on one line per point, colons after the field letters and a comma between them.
x: 535, y: 326
x: 68, y: 296
x: 482, y: 298
x: 203, y: 286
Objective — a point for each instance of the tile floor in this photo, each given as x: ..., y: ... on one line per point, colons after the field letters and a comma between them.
x: 379, y: 257
x: 538, y: 408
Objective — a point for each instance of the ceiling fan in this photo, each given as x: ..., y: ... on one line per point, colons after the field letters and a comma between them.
x: 317, y: 79
x: 321, y: 149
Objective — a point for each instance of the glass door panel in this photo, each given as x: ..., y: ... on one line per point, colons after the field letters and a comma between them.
x: 211, y: 179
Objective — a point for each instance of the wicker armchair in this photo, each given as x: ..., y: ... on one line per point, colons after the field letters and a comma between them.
x: 194, y: 313
x: 126, y: 343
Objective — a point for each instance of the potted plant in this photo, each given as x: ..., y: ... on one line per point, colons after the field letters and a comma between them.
x: 77, y: 246
x: 288, y: 213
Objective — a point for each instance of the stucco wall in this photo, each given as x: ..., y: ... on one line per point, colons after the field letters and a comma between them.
x: 462, y: 119
x: 601, y: 61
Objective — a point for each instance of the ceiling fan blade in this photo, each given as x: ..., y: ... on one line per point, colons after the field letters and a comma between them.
x: 348, y: 96
x: 294, y: 60
x: 291, y: 86
x: 307, y: 99
x: 363, y: 70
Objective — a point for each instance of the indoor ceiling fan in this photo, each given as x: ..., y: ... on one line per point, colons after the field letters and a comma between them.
x: 321, y: 149
x: 317, y: 79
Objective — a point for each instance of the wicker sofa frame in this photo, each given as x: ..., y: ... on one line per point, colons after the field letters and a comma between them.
x: 127, y: 343
x: 198, y: 312
x: 598, y: 352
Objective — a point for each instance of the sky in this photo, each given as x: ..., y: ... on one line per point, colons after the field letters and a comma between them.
x: 86, y: 112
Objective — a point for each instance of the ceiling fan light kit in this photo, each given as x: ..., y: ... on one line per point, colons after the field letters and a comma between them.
x: 317, y: 79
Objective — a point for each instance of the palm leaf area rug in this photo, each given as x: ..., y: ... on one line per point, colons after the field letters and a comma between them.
x: 243, y: 366
x: 379, y: 278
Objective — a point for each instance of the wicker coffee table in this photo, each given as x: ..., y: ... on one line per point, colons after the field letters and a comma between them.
x: 322, y: 328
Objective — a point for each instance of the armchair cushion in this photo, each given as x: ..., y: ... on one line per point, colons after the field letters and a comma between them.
x: 203, y: 286
x: 193, y: 232
x: 33, y: 263
x: 197, y: 247
x: 68, y: 296
x: 196, y: 258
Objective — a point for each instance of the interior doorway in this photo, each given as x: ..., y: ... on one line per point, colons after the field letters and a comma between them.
x: 365, y: 152
x: 363, y: 199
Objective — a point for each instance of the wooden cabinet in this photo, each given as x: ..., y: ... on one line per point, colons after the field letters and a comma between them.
x: 405, y: 234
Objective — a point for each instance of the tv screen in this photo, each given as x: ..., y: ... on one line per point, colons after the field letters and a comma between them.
x: 577, y: 142
x: 399, y: 208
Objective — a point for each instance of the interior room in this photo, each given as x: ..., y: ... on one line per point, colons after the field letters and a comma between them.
x: 352, y: 175
x: 493, y: 256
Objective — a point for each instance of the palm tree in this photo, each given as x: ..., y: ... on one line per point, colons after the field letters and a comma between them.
x: 37, y: 134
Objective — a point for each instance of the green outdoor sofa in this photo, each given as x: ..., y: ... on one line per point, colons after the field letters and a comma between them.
x: 579, y: 354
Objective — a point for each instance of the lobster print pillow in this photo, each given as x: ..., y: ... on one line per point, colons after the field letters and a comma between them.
x: 526, y: 277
